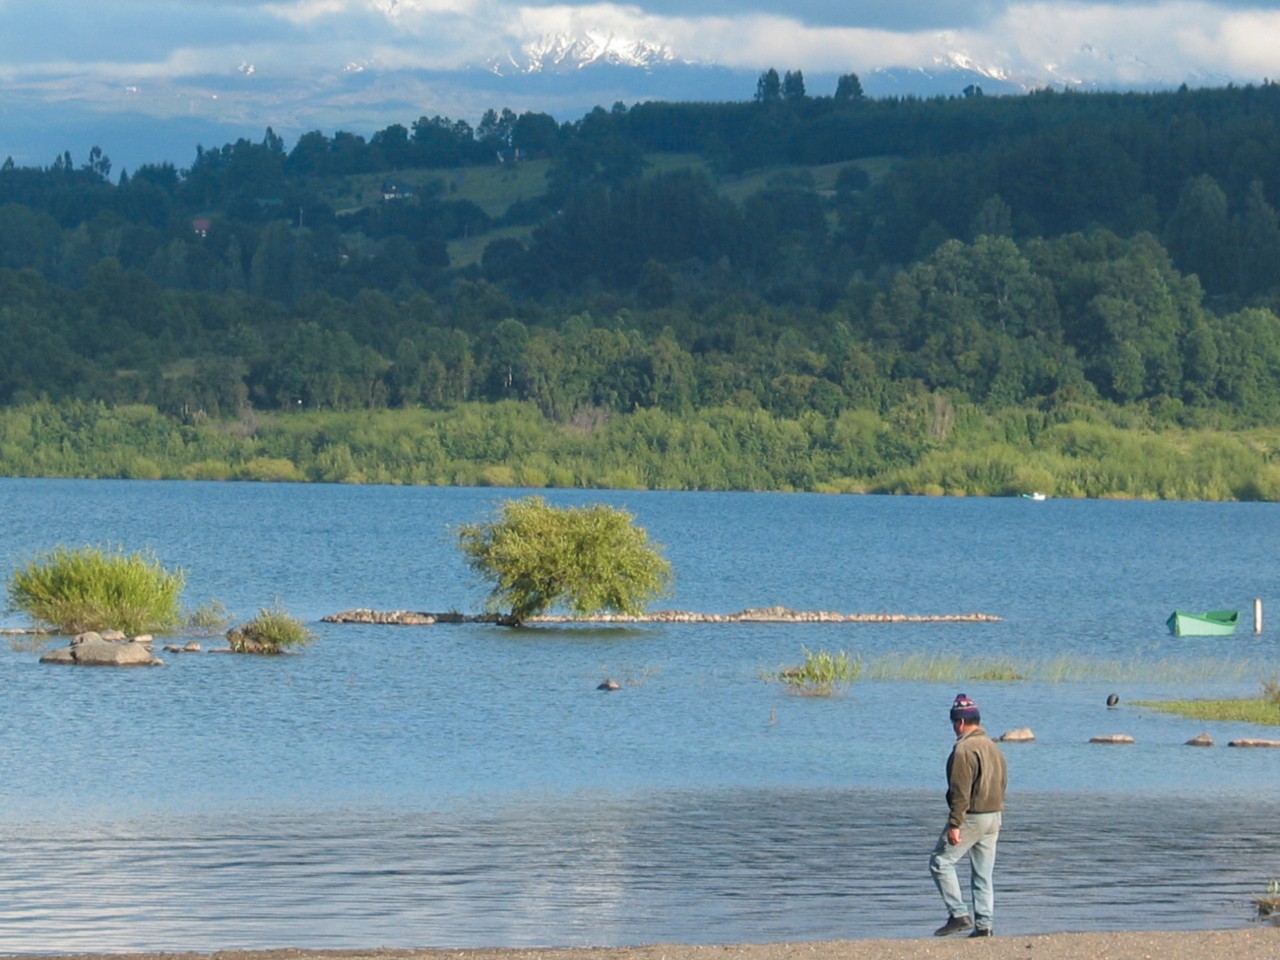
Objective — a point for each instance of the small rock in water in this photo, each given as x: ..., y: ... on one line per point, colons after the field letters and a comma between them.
x: 1200, y: 740
x: 1112, y: 738
x: 610, y: 685
x: 1113, y: 700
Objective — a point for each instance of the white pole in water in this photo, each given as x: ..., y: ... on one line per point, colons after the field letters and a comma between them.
x: 1257, y: 615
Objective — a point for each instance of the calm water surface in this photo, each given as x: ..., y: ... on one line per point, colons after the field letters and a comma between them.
x: 467, y: 785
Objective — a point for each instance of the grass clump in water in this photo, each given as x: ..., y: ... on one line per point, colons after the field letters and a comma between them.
x: 270, y: 631
x: 1269, y: 906
x: 1271, y: 691
x: 822, y: 674
x: 208, y: 618
x: 88, y: 588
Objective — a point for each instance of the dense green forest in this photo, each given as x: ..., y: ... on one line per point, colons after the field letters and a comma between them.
x: 969, y: 295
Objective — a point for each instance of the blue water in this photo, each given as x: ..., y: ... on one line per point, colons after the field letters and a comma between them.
x: 464, y: 786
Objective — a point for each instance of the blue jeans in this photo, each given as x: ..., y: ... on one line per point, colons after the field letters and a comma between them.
x: 978, y: 839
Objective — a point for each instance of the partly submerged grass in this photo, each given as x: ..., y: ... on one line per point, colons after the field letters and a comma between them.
x: 1237, y: 711
x: 1269, y: 906
x: 946, y: 667
x: 1263, y: 709
x: 208, y: 618
x: 940, y: 667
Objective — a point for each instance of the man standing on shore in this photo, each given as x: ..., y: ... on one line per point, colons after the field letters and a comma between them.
x: 976, y: 782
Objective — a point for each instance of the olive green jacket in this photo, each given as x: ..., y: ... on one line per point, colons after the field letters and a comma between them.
x: 976, y: 777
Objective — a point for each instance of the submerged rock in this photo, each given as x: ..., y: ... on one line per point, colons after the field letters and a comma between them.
x: 191, y: 646
x: 1248, y: 742
x: 1200, y: 740
x: 1112, y: 738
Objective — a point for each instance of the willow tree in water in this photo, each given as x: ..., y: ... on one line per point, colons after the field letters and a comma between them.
x: 587, y: 560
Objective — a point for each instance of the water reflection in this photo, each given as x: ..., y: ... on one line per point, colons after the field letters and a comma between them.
x: 702, y: 867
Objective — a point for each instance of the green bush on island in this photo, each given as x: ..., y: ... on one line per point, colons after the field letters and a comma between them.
x: 89, y: 588
x: 822, y: 673
x: 270, y: 631
x: 588, y: 559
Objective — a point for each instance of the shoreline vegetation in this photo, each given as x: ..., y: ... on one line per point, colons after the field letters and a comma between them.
x: 1261, y: 942
x: 926, y: 445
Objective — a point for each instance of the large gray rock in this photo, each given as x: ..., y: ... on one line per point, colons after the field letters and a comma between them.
x: 91, y: 650
x: 1020, y: 735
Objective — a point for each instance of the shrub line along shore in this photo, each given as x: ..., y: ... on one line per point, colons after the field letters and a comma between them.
x: 1254, y: 943
x: 755, y: 615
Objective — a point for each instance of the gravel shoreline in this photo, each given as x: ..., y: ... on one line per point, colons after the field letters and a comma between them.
x: 1255, y: 943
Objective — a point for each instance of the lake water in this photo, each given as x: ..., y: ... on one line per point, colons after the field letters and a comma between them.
x: 466, y: 786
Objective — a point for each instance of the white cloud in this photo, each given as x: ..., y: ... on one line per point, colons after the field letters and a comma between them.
x: 146, y: 39
x: 1123, y: 43
x: 309, y: 11
x: 776, y: 42
x: 1250, y: 40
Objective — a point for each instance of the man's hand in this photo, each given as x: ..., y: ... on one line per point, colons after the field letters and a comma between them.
x: 953, y: 836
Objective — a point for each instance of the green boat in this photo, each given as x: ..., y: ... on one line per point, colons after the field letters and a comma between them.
x: 1211, y: 623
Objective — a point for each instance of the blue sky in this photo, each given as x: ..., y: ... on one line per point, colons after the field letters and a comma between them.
x: 246, y: 62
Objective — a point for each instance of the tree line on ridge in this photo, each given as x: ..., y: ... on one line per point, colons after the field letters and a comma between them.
x: 1046, y: 250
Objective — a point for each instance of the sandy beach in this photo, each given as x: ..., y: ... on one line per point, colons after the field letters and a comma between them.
x: 1260, y: 942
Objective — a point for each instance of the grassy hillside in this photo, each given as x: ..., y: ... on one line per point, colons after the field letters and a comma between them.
x: 494, y: 189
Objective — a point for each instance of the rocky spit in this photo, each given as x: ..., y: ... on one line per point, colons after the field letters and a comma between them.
x: 413, y: 618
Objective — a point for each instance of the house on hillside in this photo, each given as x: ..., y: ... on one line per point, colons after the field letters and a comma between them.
x: 397, y: 190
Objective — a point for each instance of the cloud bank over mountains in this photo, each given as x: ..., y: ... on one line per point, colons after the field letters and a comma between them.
x: 205, y: 71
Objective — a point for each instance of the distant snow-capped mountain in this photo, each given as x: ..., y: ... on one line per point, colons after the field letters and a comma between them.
x: 1088, y: 68
x: 564, y: 54
x: 950, y: 71
x: 565, y: 75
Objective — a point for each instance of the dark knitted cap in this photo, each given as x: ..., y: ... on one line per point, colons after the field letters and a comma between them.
x: 964, y: 709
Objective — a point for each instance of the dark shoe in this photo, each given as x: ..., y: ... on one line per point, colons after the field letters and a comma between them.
x: 982, y: 932
x: 954, y: 925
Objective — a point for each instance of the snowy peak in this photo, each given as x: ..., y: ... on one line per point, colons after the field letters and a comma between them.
x: 564, y: 54
x: 955, y: 60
